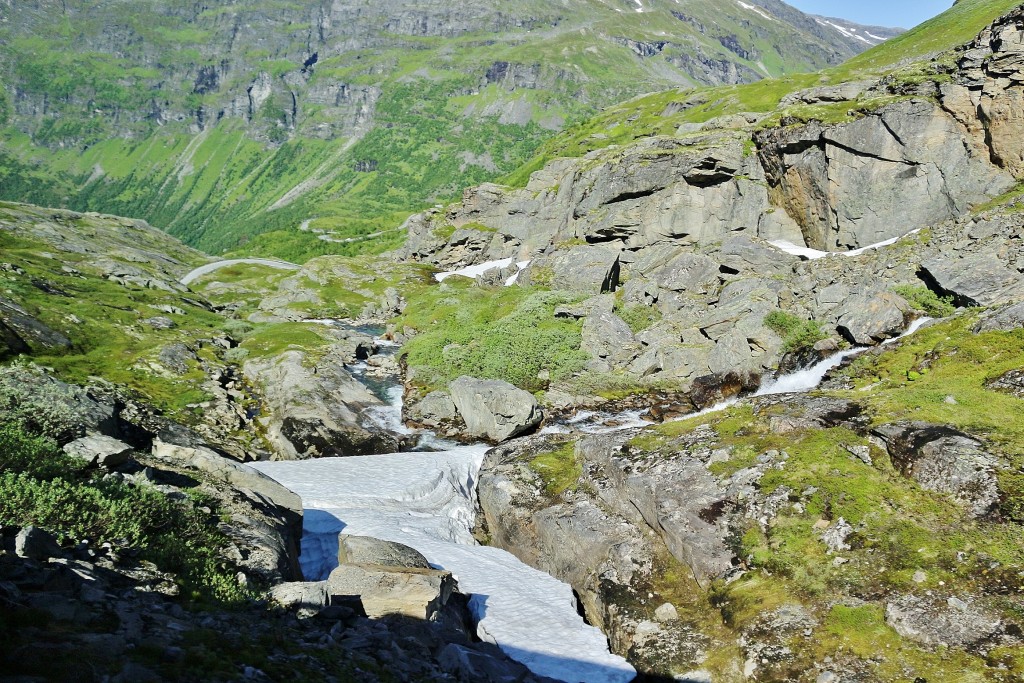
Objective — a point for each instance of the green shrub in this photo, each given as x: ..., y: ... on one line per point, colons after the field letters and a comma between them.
x: 924, y: 299
x: 797, y: 334
x: 37, y: 404
x: 509, y: 334
x: 41, y: 486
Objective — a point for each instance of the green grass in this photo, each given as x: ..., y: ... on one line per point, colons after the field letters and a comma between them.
x: 923, y: 299
x: 507, y: 333
x: 797, y: 334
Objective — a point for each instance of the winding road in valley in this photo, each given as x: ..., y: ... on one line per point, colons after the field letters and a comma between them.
x: 216, y: 265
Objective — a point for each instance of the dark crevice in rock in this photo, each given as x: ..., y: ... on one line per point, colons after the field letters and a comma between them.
x: 626, y: 196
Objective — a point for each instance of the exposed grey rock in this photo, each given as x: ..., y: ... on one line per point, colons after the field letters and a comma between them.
x: 607, y: 337
x: 870, y: 319
x: 689, y: 273
x: 837, y: 181
x: 160, y: 323
x: 1011, y: 382
x: 972, y: 279
x: 835, y: 536
x: 19, y: 330
x: 666, y: 612
x: 36, y: 544
x: 591, y: 268
x: 368, y: 550
x: 932, y: 621
x: 307, y: 597
x: 1004, y: 319
x: 416, y: 593
x: 943, y: 459
x: 793, y: 412
x: 97, y: 449
x: 313, y: 410
x: 433, y: 409
x: 602, y: 303
x: 494, y: 409
x: 176, y: 358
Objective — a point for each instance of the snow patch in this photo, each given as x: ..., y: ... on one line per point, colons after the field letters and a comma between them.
x: 755, y: 9
x: 473, y: 271
x: 428, y: 501
x: 812, y: 254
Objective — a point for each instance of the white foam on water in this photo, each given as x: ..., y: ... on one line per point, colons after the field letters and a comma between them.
x: 427, y: 501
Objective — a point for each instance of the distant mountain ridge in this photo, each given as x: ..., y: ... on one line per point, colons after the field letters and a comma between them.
x: 223, y: 120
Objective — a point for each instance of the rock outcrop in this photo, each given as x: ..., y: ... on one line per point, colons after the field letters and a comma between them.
x: 493, y: 409
x: 314, y: 409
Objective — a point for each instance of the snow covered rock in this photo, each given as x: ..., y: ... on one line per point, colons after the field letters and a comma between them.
x: 493, y: 409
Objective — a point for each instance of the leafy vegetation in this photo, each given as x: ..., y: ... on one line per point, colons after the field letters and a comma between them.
x: 560, y: 469
x: 797, y: 334
x: 507, y: 333
x: 41, y: 486
x: 924, y: 299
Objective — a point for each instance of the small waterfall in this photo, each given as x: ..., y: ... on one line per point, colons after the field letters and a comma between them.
x: 809, y: 378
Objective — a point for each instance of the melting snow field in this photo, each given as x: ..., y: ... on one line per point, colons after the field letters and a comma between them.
x: 481, y: 268
x: 427, y: 501
x: 812, y: 254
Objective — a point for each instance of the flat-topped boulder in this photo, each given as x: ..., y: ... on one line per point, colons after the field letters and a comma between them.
x: 494, y: 409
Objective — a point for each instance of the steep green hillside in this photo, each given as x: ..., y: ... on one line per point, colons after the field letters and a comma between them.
x: 325, y: 124
x: 909, y: 57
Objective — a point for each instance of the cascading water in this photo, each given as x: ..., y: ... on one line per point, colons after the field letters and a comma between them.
x: 807, y: 378
x: 427, y: 500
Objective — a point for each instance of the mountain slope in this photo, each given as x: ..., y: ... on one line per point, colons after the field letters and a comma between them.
x: 221, y: 121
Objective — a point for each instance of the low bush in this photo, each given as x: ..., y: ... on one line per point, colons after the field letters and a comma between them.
x: 924, y: 299
x: 797, y: 334
x: 41, y: 486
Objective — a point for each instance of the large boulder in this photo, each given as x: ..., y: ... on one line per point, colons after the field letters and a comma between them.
x: 369, y: 550
x: 973, y: 279
x: 494, y: 409
x: 869, y: 319
x: 608, y: 339
x: 97, y: 449
x: 433, y: 410
x: 416, y: 593
x: 314, y: 410
x: 943, y: 459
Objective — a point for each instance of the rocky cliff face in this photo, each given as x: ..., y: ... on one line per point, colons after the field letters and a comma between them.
x: 696, y: 224
x: 247, y: 116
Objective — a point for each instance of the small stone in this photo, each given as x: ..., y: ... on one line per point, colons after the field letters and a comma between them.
x: 826, y: 677
x: 839, y: 561
x: 666, y: 612
x: 920, y: 576
x: 949, y: 400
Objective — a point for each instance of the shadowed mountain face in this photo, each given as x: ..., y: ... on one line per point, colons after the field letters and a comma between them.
x: 219, y: 121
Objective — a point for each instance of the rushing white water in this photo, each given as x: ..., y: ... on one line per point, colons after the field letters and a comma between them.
x: 599, y: 422
x: 812, y: 254
x: 807, y: 378
x: 427, y: 501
